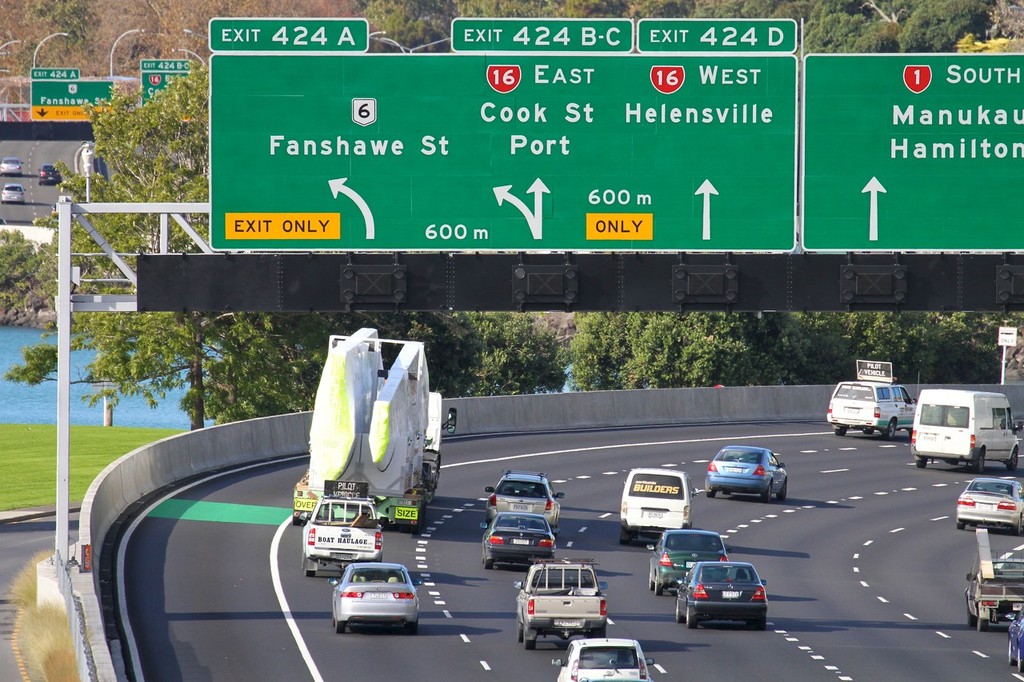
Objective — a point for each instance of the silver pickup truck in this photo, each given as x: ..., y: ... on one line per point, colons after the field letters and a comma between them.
x: 560, y: 597
x: 340, y: 531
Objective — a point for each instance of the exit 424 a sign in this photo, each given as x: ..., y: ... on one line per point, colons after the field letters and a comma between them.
x: 503, y: 152
x: 913, y: 152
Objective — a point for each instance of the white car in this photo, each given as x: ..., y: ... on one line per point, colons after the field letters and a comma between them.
x: 603, y: 659
x: 12, y: 194
x: 11, y: 165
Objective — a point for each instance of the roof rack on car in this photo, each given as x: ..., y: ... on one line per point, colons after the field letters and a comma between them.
x: 567, y: 560
x: 520, y: 471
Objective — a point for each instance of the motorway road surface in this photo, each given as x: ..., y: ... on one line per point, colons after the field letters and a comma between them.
x: 864, y: 566
x: 38, y: 198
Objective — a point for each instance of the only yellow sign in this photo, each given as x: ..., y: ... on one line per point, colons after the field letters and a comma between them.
x: 620, y: 226
x: 282, y: 226
x: 59, y: 113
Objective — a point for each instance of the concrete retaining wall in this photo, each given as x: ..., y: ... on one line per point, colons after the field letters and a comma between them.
x: 154, y: 466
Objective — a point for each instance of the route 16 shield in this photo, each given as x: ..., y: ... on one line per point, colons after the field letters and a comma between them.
x: 917, y: 78
x: 667, y: 79
x: 154, y: 79
x: 504, y: 78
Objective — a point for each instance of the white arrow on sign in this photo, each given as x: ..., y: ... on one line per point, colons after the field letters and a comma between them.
x: 873, y: 186
x: 535, y: 219
x: 338, y: 186
x: 707, y: 189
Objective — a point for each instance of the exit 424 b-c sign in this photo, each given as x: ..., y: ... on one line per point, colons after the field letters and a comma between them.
x: 503, y: 152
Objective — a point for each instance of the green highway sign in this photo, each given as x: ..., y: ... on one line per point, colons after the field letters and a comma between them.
x: 294, y: 36
x: 917, y: 152
x: 591, y: 36
x: 60, y: 100
x: 56, y: 74
x: 157, y: 73
x: 716, y: 35
x: 503, y: 152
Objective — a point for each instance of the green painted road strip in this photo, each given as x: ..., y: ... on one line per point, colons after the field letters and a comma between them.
x: 221, y: 512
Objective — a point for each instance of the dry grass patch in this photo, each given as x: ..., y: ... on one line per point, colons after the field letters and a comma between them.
x: 44, y: 638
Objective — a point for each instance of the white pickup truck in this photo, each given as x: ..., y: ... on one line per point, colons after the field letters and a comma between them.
x: 560, y: 597
x: 340, y: 531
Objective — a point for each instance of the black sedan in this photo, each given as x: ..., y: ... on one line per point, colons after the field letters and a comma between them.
x: 722, y: 590
x: 517, y: 538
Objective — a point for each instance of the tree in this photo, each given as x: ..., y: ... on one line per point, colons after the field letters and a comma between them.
x: 517, y: 357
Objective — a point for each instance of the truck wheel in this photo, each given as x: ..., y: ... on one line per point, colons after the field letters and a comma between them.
x: 529, y: 639
x: 921, y: 462
x: 624, y: 536
x: 310, y: 572
x: 972, y: 620
x: 600, y: 633
x: 519, y: 630
x: 296, y: 521
x: 840, y: 430
x: 979, y: 464
x: 982, y: 624
x: 1011, y: 464
x: 691, y: 617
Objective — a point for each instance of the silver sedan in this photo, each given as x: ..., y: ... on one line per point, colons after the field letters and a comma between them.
x: 992, y: 502
x: 375, y: 594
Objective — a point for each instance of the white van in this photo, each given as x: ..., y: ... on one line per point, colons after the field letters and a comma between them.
x: 654, y: 500
x: 963, y: 427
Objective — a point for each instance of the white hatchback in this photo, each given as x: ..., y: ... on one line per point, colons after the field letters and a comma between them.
x: 12, y: 194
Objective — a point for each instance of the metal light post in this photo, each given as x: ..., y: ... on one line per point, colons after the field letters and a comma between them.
x: 191, y: 54
x: 88, y: 154
x: 52, y: 35
x: 8, y: 44
x: 190, y: 32
x: 116, y: 41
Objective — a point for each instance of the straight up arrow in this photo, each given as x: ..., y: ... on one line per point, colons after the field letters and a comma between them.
x: 707, y: 189
x: 873, y: 186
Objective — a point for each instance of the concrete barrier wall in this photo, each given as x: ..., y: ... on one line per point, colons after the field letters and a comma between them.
x: 154, y: 466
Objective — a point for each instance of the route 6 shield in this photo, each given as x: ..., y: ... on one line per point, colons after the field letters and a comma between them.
x: 72, y: 88
x: 917, y: 78
x: 364, y: 110
x: 667, y: 79
x: 504, y: 78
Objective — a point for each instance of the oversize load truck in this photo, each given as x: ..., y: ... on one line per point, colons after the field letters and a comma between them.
x: 378, y: 427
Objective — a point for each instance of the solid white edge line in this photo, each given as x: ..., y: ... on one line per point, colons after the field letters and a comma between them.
x: 275, y: 576
x: 122, y: 547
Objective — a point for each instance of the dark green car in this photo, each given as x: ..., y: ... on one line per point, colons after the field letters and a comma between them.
x: 676, y: 553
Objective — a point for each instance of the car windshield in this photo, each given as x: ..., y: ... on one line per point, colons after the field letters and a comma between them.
x: 378, y: 575
x: 521, y: 489
x: 605, y: 657
x: 991, y: 487
x: 728, y: 574
x: 692, y: 542
x: 520, y: 523
x: 742, y: 456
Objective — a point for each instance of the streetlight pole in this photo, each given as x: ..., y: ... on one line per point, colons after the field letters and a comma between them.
x: 112, y: 47
x: 52, y: 35
x: 8, y: 44
x: 191, y: 54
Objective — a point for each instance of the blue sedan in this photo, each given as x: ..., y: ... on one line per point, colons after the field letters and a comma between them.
x: 1016, y: 640
x: 748, y: 470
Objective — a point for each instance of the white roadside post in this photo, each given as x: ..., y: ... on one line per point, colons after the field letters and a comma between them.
x: 1007, y: 338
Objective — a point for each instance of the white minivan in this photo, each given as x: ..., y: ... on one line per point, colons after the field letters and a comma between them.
x: 654, y: 500
x: 964, y: 427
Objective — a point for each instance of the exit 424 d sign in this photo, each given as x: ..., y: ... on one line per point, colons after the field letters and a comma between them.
x: 503, y: 152
x: 913, y: 152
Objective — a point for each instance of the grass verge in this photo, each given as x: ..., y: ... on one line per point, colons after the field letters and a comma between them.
x: 42, y: 636
x: 29, y: 454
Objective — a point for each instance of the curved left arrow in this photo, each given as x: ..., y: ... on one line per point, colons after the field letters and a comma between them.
x: 338, y: 186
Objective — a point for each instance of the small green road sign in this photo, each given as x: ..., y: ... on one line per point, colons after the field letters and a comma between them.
x: 296, y: 36
x: 60, y: 100
x: 912, y: 152
x: 503, y: 152
x: 590, y: 36
x: 56, y: 74
x: 716, y: 35
x: 157, y: 73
